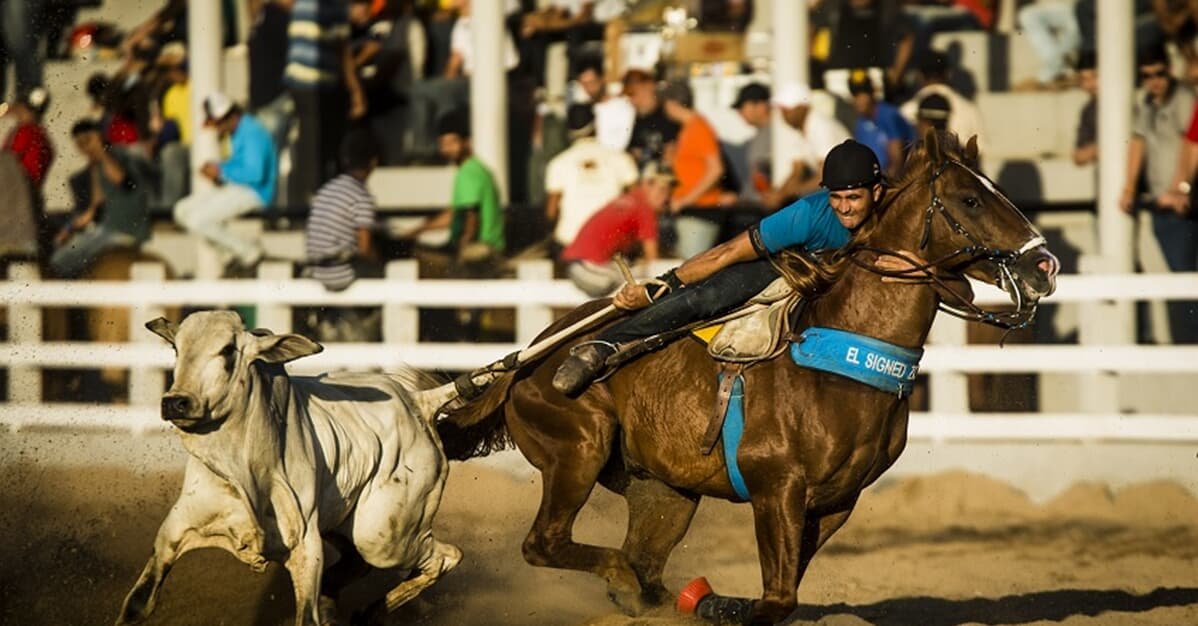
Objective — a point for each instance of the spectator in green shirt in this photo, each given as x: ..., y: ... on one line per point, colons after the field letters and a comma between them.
x: 475, y: 217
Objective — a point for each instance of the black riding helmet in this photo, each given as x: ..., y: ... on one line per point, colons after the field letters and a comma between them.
x: 851, y: 165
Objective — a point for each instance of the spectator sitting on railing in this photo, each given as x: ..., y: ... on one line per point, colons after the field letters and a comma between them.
x: 618, y: 228
x: 475, y: 217
x: 124, y: 221
x: 584, y: 177
x: 1052, y: 30
x: 879, y: 124
x: 243, y: 183
x: 1085, y: 147
x: 337, y: 238
x: 806, y: 137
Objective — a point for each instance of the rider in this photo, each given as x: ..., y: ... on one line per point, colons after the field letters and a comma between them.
x: 720, y: 279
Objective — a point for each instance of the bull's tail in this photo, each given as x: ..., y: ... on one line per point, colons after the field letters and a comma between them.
x: 477, y: 428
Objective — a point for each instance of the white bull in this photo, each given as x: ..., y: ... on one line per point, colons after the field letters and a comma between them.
x: 275, y: 462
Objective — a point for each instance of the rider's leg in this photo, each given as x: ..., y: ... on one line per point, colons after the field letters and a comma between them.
x: 719, y: 294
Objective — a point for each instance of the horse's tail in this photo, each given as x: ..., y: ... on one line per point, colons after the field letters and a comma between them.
x: 477, y: 428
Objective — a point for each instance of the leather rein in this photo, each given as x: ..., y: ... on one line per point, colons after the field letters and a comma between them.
x: 974, y: 251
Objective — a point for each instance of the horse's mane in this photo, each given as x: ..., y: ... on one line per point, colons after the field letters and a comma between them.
x: 812, y: 274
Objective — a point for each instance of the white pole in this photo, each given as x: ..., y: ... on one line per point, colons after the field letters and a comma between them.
x: 790, y: 65
x: 205, y: 62
x: 488, y: 90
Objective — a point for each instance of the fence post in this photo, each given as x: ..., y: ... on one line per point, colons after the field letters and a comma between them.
x: 531, y: 319
x: 146, y: 383
x: 24, y: 327
x: 401, y: 322
x: 949, y: 391
x: 1101, y: 323
x: 276, y: 317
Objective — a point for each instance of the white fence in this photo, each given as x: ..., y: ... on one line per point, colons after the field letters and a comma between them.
x: 534, y: 294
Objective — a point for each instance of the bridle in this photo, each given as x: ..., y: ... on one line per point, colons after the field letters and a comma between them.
x: 975, y: 250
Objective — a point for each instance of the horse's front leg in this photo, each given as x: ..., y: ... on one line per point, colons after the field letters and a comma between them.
x: 305, y: 564
x: 780, y: 517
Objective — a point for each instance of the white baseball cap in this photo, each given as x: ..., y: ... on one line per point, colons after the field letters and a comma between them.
x: 217, y: 105
x: 791, y: 95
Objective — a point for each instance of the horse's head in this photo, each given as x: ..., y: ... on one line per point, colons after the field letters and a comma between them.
x: 968, y: 225
x: 214, y: 354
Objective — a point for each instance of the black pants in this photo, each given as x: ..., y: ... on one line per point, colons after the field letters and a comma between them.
x: 323, y: 121
x: 719, y: 294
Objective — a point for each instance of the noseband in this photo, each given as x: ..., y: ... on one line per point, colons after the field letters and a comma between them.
x: 975, y: 250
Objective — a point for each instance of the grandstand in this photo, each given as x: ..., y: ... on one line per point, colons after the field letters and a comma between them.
x: 1091, y: 382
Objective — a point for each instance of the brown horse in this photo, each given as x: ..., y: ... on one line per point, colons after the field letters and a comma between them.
x: 812, y: 440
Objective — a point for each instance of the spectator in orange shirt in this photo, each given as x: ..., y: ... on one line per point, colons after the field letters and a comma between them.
x: 698, y: 168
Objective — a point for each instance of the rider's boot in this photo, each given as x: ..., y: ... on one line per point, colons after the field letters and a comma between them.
x: 583, y: 366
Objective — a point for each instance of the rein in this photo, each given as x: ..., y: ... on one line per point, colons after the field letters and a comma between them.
x: 974, y: 251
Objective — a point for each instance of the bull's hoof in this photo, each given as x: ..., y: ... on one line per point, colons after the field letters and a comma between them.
x: 655, y: 595
x: 699, y: 600
x: 137, y: 606
x: 327, y: 611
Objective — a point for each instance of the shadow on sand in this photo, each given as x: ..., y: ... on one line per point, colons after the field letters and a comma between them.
x: 1015, y: 609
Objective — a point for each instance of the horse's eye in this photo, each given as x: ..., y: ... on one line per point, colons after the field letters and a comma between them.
x: 972, y: 202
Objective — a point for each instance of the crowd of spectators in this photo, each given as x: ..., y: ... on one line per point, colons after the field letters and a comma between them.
x: 343, y: 86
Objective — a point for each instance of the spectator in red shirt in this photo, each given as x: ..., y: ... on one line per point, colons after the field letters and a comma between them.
x: 618, y: 228
x: 29, y: 141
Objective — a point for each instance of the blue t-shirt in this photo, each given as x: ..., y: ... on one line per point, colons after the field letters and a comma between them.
x: 253, y: 160
x: 887, y: 125
x: 809, y: 223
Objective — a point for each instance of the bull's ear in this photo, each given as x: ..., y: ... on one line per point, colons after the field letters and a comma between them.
x: 971, y: 151
x: 163, y: 328
x: 285, y: 348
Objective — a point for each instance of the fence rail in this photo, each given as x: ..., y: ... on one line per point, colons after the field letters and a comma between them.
x: 534, y: 294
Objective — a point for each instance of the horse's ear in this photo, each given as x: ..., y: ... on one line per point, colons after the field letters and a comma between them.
x: 971, y: 151
x: 931, y: 144
x: 163, y: 328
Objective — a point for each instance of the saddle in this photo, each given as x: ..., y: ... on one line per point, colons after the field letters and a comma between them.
x: 755, y: 332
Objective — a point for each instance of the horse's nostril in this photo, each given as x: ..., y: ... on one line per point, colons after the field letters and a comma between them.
x: 1045, y: 265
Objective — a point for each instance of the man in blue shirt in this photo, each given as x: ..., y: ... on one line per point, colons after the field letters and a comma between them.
x: 244, y: 182
x: 716, y: 281
x: 879, y: 124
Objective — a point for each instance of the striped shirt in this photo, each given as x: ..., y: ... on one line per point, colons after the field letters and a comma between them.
x: 339, y: 209
x: 318, y: 30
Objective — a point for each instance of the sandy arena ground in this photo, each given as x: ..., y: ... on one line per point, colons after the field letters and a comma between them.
x: 947, y: 549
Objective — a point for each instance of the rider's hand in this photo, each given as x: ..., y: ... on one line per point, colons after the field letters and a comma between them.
x: 632, y: 297
x: 891, y: 263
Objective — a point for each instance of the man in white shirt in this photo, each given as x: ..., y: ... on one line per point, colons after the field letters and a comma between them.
x: 461, y: 46
x: 806, y: 137
x: 583, y: 178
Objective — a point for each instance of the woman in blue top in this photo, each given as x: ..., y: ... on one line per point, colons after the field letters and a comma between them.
x: 720, y: 279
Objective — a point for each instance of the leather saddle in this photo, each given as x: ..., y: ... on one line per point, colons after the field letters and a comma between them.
x: 756, y: 331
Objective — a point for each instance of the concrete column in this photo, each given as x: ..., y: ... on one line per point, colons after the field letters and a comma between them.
x: 790, y: 64
x: 488, y: 90
x: 401, y: 322
x: 1115, y: 94
x: 25, y: 328
x: 532, y: 319
x: 276, y: 317
x: 205, y: 64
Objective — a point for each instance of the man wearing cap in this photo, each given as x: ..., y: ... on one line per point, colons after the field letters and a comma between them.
x: 879, y: 124
x: 727, y: 275
x: 475, y: 217
x: 750, y: 161
x: 806, y: 137
x: 933, y: 114
x: 966, y: 118
x: 243, y: 183
x: 619, y: 228
x: 584, y: 177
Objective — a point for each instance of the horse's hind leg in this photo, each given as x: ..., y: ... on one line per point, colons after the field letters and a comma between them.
x: 658, y: 518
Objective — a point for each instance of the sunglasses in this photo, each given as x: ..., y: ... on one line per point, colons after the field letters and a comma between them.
x: 1154, y: 74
